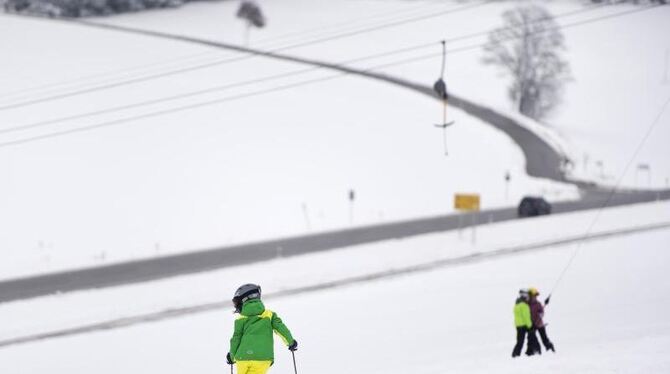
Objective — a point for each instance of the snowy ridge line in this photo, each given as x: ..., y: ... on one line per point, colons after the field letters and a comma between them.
x: 206, y: 307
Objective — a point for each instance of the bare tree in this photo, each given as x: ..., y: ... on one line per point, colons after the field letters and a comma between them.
x: 528, y: 48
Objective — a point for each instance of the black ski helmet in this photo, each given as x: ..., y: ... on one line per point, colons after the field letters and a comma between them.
x: 246, y: 292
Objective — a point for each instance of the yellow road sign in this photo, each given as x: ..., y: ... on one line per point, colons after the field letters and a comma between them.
x: 468, y: 202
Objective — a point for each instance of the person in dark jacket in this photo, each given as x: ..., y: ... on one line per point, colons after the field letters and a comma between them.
x: 537, y: 314
x: 522, y: 321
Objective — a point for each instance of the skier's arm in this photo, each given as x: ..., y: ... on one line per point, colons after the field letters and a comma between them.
x: 280, y: 328
x: 237, y: 337
x: 527, y: 318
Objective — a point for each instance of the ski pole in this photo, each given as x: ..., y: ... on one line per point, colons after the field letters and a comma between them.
x: 231, y: 368
x: 295, y: 368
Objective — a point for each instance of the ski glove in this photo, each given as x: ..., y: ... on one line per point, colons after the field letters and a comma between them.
x: 293, y: 346
x: 546, y: 301
x: 229, y: 359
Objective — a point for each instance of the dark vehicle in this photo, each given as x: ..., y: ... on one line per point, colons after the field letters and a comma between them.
x: 533, y: 206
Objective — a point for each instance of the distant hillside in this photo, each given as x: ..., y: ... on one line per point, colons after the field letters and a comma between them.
x: 84, y: 8
x: 88, y: 8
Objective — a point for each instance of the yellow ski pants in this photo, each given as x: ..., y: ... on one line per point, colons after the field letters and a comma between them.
x: 253, y: 367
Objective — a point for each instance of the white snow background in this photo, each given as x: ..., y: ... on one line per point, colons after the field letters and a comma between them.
x: 279, y: 164
x: 244, y: 170
x: 606, y: 315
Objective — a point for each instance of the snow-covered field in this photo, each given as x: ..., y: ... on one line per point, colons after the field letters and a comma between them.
x: 266, y: 166
x: 607, y: 314
x: 283, y: 163
x: 619, y: 64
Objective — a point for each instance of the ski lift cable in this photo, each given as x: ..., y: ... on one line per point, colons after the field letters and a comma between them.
x: 611, y: 193
x: 268, y: 78
x: 202, y: 104
x: 227, y: 60
x: 341, y: 26
x: 6, y: 96
x: 239, y: 84
x: 444, y: 58
x: 203, y: 91
x: 386, y: 25
x: 559, y: 27
x: 80, y: 80
x: 231, y: 60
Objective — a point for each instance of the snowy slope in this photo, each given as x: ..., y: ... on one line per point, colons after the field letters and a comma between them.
x: 282, y: 163
x: 618, y: 63
x: 265, y: 166
x: 607, y: 314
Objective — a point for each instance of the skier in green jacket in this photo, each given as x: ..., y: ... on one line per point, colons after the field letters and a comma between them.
x: 252, y: 344
x: 522, y: 321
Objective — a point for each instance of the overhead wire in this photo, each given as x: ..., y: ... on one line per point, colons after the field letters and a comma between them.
x: 240, y: 58
x: 284, y: 75
x: 566, y: 26
x: 8, y: 96
x: 11, y: 96
x: 201, y: 104
x: 341, y: 26
x: 611, y: 193
x: 206, y: 90
x: 229, y: 60
x: 231, y: 98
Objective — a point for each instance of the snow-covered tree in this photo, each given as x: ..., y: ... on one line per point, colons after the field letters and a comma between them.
x: 528, y: 48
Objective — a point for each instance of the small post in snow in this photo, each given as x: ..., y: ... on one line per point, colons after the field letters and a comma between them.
x: 586, y: 162
x: 507, y: 179
x: 474, y: 228
x: 352, y: 197
x: 643, y: 168
x: 601, y: 166
x: 305, y: 214
x: 667, y: 66
x: 468, y: 203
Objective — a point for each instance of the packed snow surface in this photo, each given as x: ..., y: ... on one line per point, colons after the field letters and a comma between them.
x: 606, y: 315
x: 273, y: 164
x: 619, y: 58
x: 281, y: 163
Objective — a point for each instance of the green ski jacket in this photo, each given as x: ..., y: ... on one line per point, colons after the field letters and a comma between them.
x: 252, y: 339
x: 522, y: 314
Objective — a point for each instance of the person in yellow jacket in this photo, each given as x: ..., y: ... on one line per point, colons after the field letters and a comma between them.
x: 522, y: 321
